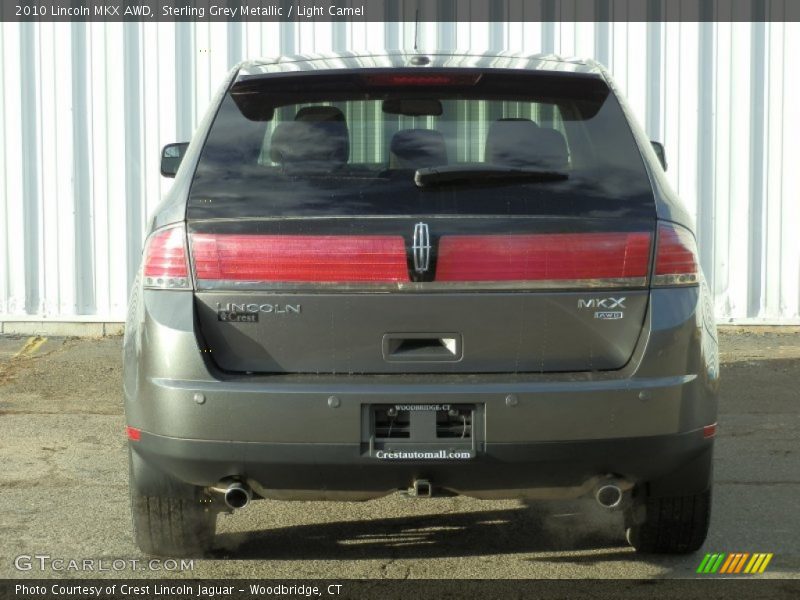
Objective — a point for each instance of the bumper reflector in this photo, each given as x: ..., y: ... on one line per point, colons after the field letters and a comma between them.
x: 709, y: 431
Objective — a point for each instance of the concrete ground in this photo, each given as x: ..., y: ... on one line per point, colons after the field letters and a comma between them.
x: 63, y: 490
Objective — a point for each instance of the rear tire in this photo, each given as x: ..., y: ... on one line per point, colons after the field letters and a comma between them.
x: 173, y: 519
x: 172, y: 526
x: 672, y: 525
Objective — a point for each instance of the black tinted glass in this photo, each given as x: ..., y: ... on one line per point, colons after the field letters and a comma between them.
x: 311, y: 144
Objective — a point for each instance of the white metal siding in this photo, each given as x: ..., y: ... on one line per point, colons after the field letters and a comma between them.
x: 85, y: 109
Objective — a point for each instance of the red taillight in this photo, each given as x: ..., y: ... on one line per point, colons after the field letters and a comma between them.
x: 399, y: 79
x: 676, y: 256
x: 300, y: 258
x: 165, y: 265
x: 134, y: 434
x: 549, y: 256
x: 709, y: 431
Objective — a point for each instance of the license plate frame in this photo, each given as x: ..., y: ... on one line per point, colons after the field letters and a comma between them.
x: 423, y: 431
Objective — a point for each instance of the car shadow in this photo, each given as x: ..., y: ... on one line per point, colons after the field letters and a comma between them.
x: 540, y: 527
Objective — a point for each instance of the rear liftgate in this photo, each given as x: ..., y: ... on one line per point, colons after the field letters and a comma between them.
x: 434, y: 295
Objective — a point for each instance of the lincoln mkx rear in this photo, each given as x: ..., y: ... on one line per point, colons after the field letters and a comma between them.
x: 443, y: 279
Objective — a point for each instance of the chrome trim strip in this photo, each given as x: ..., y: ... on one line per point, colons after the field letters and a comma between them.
x: 675, y: 279
x: 425, y: 286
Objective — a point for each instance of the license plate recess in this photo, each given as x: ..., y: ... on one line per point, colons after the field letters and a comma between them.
x: 441, y: 430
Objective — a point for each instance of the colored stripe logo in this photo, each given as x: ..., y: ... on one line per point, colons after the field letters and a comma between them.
x: 735, y: 563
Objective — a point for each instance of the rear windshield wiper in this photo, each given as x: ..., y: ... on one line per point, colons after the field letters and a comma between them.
x: 482, y: 174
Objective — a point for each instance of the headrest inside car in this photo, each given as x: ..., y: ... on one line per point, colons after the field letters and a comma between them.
x: 417, y: 148
x: 310, y: 145
x: 332, y: 120
x: 522, y: 143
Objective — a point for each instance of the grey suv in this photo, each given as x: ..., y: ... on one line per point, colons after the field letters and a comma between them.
x: 447, y: 274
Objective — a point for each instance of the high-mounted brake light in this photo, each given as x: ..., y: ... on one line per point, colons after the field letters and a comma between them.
x: 165, y: 264
x: 676, y: 257
x: 615, y: 257
x: 299, y: 258
x: 400, y: 79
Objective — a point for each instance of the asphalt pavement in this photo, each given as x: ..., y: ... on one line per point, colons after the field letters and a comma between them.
x: 63, y: 491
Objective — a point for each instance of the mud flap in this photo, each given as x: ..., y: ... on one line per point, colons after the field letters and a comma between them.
x: 692, y: 477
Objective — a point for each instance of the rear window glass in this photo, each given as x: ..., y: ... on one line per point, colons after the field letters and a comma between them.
x: 356, y: 144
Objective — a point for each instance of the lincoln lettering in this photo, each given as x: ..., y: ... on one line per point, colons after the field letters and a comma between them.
x: 277, y: 309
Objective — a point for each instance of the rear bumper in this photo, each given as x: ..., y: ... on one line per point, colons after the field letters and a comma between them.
x: 670, y: 465
x: 303, y: 435
x: 329, y: 410
x: 668, y: 387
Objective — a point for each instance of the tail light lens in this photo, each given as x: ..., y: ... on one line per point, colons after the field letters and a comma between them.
x: 676, y: 257
x: 301, y: 258
x: 619, y: 256
x: 165, y: 264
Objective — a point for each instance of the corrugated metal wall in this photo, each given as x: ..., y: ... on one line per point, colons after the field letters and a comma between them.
x: 85, y: 109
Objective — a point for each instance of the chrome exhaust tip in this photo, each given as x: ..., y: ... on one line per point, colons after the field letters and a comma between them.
x: 609, y: 495
x: 237, y: 495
